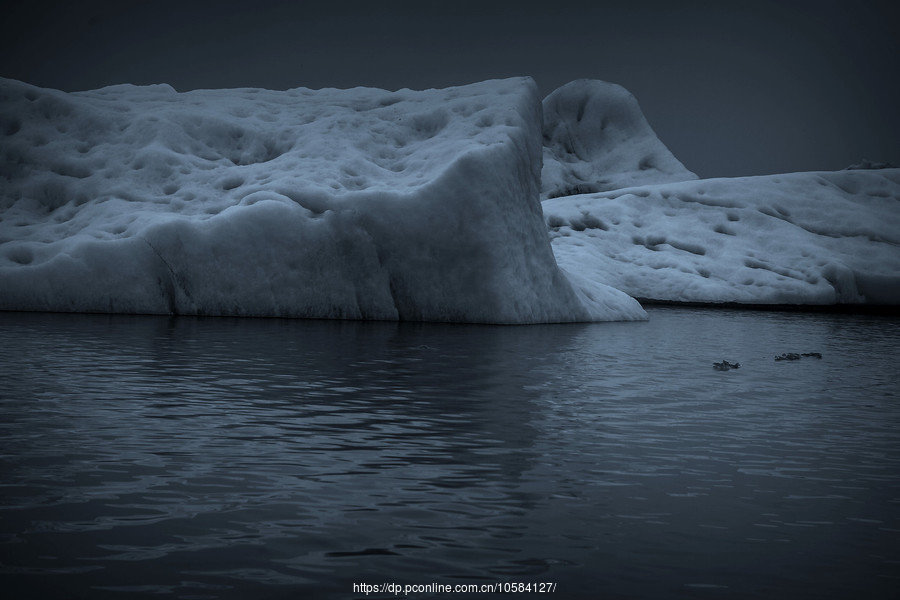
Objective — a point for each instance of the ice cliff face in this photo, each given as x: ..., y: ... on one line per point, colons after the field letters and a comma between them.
x: 356, y: 204
x: 798, y: 238
x: 597, y: 139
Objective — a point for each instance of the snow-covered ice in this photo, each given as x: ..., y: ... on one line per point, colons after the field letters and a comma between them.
x: 597, y: 139
x: 357, y: 203
x: 622, y: 211
x: 799, y: 238
x: 412, y: 205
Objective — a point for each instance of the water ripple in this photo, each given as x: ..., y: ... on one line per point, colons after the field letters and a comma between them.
x: 222, y: 457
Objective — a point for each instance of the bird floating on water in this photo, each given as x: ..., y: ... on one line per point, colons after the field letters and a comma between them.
x: 726, y: 366
x: 795, y: 356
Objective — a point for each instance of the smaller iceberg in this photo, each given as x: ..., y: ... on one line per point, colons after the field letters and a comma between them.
x: 817, y: 238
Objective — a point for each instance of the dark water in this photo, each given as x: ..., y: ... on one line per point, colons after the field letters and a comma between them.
x: 225, y: 458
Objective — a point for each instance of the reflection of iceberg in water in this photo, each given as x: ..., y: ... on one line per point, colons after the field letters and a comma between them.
x: 384, y: 384
x: 334, y: 434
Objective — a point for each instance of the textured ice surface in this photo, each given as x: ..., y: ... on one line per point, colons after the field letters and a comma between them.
x: 597, y: 139
x: 369, y: 204
x: 798, y: 238
x: 357, y: 203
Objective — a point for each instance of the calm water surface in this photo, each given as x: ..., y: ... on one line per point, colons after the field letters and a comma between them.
x: 226, y: 458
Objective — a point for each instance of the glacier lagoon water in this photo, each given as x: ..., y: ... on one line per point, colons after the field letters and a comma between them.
x: 230, y: 458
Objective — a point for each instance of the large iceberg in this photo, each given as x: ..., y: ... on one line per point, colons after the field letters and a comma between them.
x: 359, y: 204
x: 409, y: 205
x: 597, y: 139
x: 817, y: 238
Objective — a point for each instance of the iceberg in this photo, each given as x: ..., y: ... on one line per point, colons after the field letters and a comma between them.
x: 814, y: 238
x: 623, y: 212
x: 597, y: 139
x: 409, y: 205
x: 350, y: 204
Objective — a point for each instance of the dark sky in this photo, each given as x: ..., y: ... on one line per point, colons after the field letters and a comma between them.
x: 733, y: 88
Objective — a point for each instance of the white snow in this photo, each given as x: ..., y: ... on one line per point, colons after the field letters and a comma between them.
x: 799, y: 238
x: 597, y: 139
x: 357, y: 203
x: 410, y: 205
